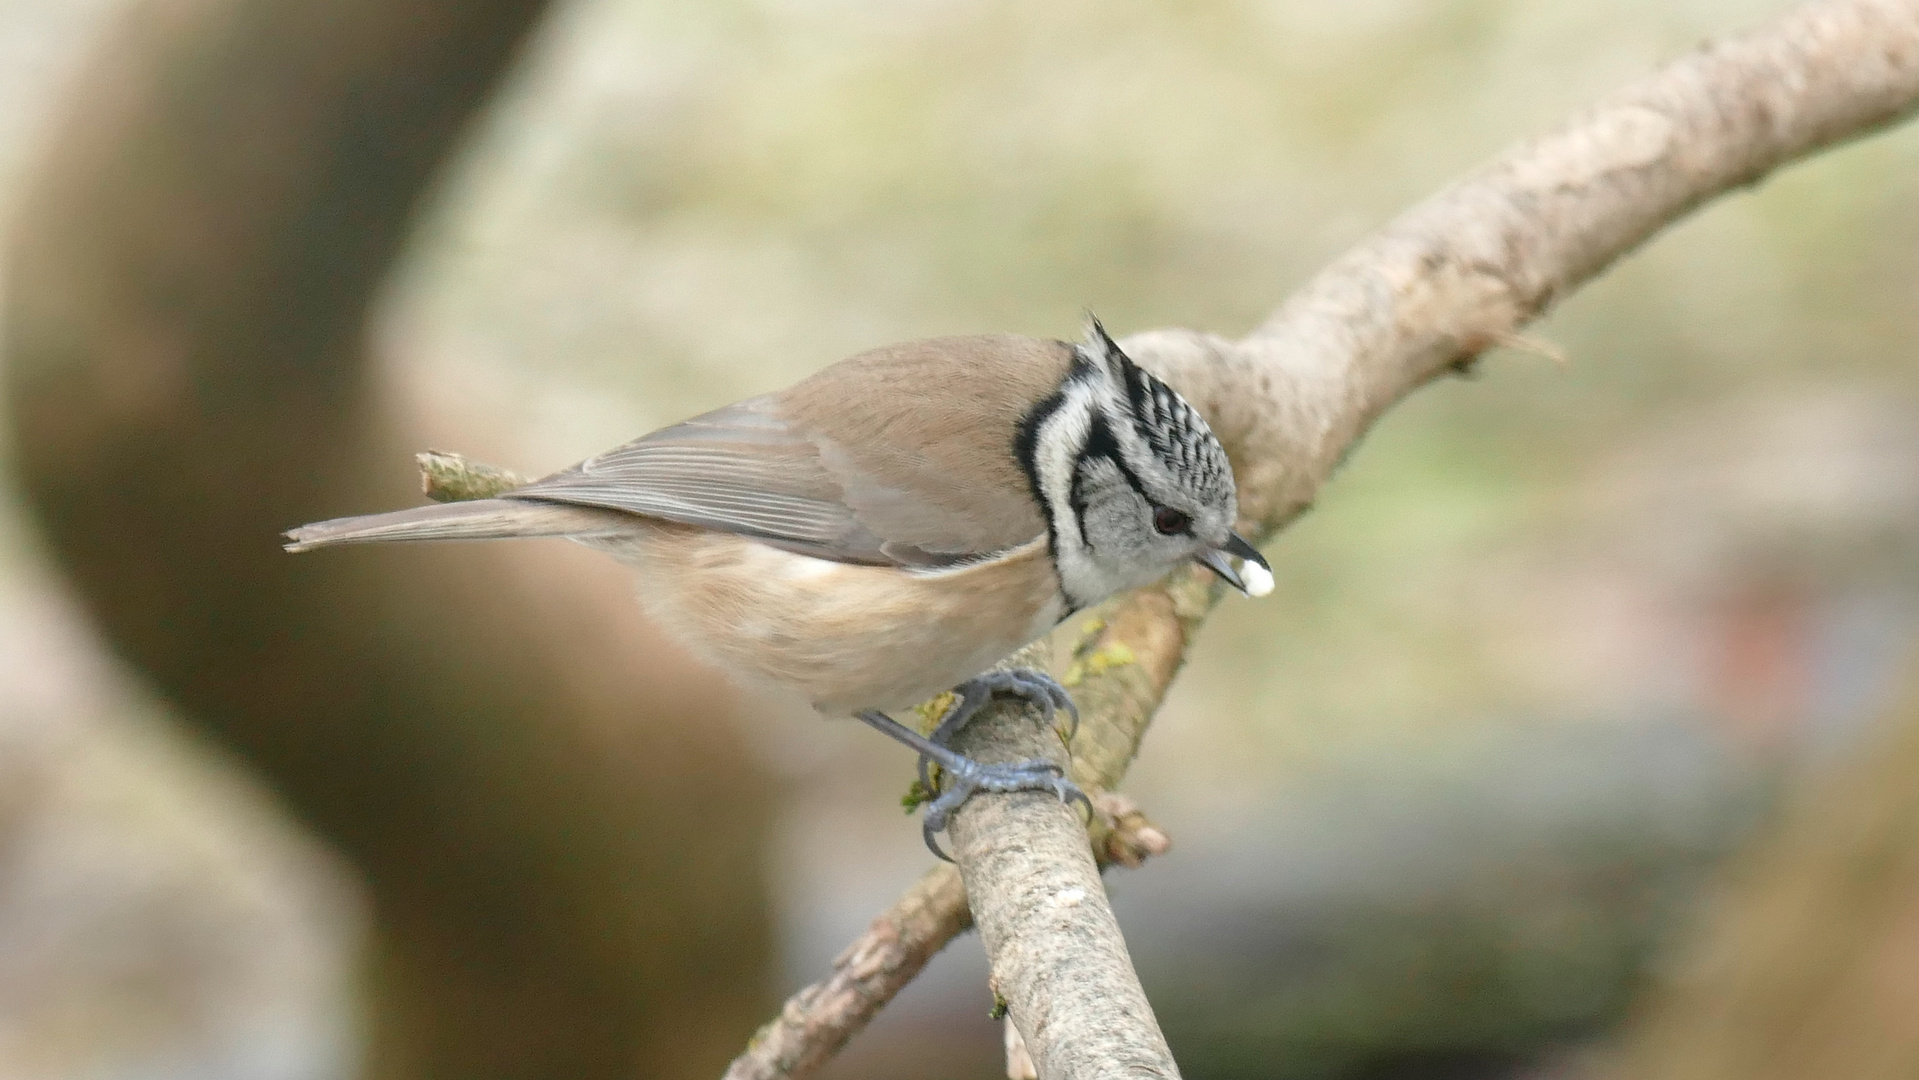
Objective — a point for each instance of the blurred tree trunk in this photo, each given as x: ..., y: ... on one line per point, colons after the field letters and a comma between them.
x: 560, y: 834
x: 1808, y: 967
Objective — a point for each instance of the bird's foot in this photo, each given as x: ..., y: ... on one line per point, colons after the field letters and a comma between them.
x: 1028, y: 684
x: 961, y: 776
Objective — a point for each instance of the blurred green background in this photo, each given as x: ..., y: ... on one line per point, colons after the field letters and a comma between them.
x: 1543, y: 653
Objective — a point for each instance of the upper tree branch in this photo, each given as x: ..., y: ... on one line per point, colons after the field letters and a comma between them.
x: 1459, y: 272
x: 1431, y: 290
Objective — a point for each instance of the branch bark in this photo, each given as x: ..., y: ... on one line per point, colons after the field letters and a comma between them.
x: 1423, y: 297
x: 1057, y: 956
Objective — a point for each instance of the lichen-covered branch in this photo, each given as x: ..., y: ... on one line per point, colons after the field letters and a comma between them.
x: 1424, y: 296
x: 449, y: 477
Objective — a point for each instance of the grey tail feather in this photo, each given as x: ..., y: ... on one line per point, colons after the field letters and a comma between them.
x: 480, y: 519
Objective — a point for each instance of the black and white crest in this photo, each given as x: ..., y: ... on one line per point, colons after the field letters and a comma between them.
x: 1173, y: 429
x: 1130, y: 475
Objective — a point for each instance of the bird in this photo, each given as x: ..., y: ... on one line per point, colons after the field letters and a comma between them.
x: 892, y: 527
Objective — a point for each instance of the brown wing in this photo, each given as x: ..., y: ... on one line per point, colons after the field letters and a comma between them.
x: 902, y: 456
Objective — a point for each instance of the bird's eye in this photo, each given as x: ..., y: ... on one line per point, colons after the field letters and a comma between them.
x: 1171, y: 522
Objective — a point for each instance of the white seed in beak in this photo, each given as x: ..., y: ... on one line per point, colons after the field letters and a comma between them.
x: 1258, y: 579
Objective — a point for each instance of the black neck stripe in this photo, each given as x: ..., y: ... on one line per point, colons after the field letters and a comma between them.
x: 1026, y: 443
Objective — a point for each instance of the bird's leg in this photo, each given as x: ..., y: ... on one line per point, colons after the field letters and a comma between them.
x: 962, y: 776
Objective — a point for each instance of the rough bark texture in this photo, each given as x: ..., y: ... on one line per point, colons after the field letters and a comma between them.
x: 1448, y: 279
x: 1057, y: 956
x: 559, y: 834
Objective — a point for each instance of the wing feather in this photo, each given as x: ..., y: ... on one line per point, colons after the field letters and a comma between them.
x: 930, y: 480
x: 739, y: 469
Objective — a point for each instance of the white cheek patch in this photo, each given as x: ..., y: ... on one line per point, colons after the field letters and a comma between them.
x: 1258, y: 579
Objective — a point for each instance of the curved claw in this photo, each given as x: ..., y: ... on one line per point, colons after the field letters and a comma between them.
x: 1052, y: 699
x: 931, y: 836
x: 1071, y: 794
x: 1072, y: 712
x: 1031, y: 686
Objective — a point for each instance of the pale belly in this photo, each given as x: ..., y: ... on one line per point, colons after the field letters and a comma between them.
x: 845, y: 637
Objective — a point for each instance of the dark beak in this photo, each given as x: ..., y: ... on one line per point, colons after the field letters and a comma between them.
x: 1254, y: 577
